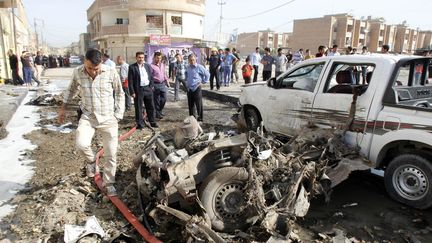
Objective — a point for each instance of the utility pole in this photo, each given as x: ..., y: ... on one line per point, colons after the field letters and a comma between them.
x: 36, y: 34
x: 14, y: 27
x: 221, y: 3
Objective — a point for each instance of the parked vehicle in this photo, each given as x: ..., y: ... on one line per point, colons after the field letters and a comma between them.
x: 383, y: 101
x: 75, y: 60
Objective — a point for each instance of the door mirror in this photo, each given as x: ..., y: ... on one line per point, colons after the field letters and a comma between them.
x: 271, y: 82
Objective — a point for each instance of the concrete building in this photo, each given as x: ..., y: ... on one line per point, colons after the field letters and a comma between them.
x: 424, y: 40
x: 247, y: 42
x: 121, y: 27
x: 84, y: 43
x: 343, y: 30
x: 16, y: 33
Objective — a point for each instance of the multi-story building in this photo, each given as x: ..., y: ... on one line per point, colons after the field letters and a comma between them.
x: 121, y: 27
x: 16, y: 33
x: 84, y: 43
x: 343, y: 30
x: 424, y: 40
x: 247, y: 42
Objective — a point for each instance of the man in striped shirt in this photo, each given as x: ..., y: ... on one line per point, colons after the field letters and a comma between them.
x: 102, y: 103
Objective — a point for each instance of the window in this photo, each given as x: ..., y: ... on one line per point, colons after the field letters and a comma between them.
x: 303, y: 78
x: 414, y: 73
x: 122, y: 21
x: 345, y: 76
x: 154, y: 21
x: 176, y: 20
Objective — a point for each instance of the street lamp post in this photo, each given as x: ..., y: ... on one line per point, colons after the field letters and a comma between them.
x: 221, y: 3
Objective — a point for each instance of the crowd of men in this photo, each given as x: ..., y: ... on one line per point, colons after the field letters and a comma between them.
x: 32, y: 66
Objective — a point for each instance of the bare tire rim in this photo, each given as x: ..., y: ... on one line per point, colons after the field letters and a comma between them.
x: 229, y: 201
x: 410, y: 182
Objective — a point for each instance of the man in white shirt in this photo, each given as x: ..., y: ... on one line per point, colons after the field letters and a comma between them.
x: 107, y: 61
x: 333, y: 51
x: 141, y: 89
x: 255, y: 61
x: 124, y: 69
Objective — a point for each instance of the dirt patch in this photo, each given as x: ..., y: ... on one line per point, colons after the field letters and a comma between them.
x: 3, y: 132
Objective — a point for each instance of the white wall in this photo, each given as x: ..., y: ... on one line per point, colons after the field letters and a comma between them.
x: 108, y: 18
x: 192, y: 26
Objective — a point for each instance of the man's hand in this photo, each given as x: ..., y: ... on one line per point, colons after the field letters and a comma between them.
x: 133, y: 95
x: 167, y: 83
x: 61, y: 115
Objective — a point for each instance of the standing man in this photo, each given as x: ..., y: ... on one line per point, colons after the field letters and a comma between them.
x: 234, y: 72
x: 38, y: 65
x: 268, y: 62
x: 141, y: 89
x: 102, y: 104
x: 13, y: 63
x: 107, y: 61
x: 298, y: 56
x: 228, y: 59
x: 385, y: 49
x: 333, y: 51
x: 255, y: 60
x: 160, y: 80
x: 179, y: 74
x: 124, y: 69
x: 280, y: 62
x: 196, y: 74
x: 172, y: 60
x: 214, y: 65
x: 27, y: 68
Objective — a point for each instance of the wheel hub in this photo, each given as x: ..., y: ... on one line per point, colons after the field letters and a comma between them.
x: 229, y: 201
x: 411, y: 182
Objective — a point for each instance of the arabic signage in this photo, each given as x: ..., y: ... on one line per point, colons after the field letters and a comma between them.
x: 161, y: 40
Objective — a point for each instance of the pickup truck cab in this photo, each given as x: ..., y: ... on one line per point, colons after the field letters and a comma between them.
x: 383, y: 101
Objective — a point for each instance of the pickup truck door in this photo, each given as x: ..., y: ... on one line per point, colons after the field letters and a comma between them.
x: 290, y: 101
x: 334, y: 100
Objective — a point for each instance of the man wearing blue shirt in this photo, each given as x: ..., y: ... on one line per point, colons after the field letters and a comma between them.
x: 227, y: 61
x: 196, y: 75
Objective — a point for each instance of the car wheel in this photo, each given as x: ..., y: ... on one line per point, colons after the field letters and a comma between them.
x: 222, y: 195
x: 408, y: 180
x: 252, y: 119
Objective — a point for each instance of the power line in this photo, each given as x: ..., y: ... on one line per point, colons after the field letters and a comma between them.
x: 262, y: 12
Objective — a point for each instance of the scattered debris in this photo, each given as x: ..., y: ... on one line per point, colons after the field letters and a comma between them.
x: 73, y: 233
x: 254, y: 182
x: 350, y: 205
x: 46, y: 100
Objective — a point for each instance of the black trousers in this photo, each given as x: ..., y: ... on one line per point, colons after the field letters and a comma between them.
x: 266, y: 75
x: 16, y: 79
x: 159, y: 96
x: 214, y: 75
x: 255, y: 73
x: 195, y: 100
x: 144, y: 97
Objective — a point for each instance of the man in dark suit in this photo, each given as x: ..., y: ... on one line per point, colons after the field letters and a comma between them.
x: 141, y: 89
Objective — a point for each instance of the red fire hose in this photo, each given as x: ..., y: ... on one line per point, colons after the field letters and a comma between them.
x: 119, y: 204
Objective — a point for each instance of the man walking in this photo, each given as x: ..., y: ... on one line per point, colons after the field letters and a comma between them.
x: 255, y: 60
x: 179, y: 74
x: 102, y: 104
x: 214, y: 65
x: 141, y: 89
x: 234, y: 72
x: 38, y: 65
x: 124, y: 69
x: 196, y: 74
x: 107, y: 61
x: 160, y: 81
x: 13, y: 63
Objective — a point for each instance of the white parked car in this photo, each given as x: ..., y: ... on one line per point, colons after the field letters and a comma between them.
x: 390, y: 120
x: 75, y: 60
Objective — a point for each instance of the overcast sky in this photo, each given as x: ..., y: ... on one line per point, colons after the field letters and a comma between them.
x: 65, y: 19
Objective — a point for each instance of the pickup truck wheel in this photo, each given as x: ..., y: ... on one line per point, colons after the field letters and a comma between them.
x: 222, y: 195
x: 252, y: 119
x: 408, y: 180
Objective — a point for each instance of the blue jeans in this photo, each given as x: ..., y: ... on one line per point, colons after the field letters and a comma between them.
x: 227, y: 75
x: 27, y: 73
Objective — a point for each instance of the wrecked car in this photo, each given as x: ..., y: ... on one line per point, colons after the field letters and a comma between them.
x: 235, y: 181
x: 383, y: 101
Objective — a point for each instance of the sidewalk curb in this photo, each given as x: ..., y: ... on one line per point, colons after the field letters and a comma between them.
x: 220, y: 96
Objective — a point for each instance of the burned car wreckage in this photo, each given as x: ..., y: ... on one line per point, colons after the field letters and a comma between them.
x: 249, y: 182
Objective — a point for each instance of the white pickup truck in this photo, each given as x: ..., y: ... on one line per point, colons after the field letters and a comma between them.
x: 390, y: 120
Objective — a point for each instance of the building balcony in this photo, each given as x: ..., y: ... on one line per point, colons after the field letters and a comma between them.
x: 120, y: 29
x: 98, y: 4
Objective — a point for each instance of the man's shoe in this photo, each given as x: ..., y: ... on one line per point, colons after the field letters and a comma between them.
x: 110, y: 190
x: 154, y: 125
x: 159, y: 116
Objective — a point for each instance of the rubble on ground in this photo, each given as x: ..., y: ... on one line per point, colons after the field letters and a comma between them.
x: 222, y: 186
x: 46, y: 100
